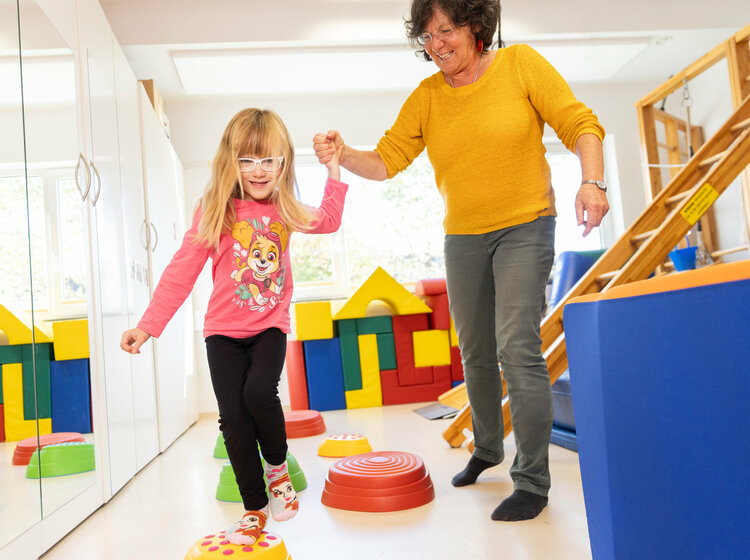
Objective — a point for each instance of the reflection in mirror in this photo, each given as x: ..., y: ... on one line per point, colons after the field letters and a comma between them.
x: 20, y: 506
x: 58, y: 227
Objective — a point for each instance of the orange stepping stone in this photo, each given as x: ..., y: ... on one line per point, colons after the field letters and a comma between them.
x: 378, y: 481
x: 344, y: 445
x: 26, y: 447
x: 215, y: 545
x: 304, y: 423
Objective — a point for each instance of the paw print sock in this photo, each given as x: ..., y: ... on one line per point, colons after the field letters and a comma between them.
x: 248, y: 529
x: 284, y: 504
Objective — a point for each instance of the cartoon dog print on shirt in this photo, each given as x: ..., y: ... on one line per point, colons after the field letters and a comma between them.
x: 259, y: 271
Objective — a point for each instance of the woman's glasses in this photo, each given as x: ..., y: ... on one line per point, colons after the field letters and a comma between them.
x: 443, y: 34
x: 266, y: 164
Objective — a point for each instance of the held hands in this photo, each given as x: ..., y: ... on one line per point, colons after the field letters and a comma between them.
x: 591, y: 206
x: 133, y: 339
x: 328, y: 149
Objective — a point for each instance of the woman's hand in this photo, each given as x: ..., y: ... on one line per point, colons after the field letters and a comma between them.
x: 591, y: 207
x: 133, y: 339
x: 327, y: 146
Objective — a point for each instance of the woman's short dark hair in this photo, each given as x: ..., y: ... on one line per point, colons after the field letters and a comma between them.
x: 482, y: 15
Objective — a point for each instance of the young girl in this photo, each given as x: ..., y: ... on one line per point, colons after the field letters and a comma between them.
x: 243, y: 223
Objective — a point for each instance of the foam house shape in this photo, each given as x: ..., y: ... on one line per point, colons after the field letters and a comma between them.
x: 60, y: 380
x: 349, y: 360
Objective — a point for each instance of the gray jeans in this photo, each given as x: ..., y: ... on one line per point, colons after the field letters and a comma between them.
x: 496, y: 289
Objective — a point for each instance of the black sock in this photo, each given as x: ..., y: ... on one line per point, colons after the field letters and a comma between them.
x: 520, y: 505
x: 471, y: 472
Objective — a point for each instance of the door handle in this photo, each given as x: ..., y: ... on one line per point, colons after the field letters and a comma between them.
x: 83, y: 193
x: 99, y: 181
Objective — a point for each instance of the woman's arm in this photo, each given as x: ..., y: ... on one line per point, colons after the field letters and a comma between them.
x: 365, y: 163
x: 591, y: 201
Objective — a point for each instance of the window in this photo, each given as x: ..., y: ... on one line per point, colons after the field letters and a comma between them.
x: 398, y: 225
x: 57, y: 244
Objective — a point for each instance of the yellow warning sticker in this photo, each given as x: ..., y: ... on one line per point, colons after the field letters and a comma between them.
x: 700, y: 202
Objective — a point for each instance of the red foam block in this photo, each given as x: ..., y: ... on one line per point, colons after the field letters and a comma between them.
x: 26, y: 447
x: 378, y: 481
x: 304, y: 423
x: 296, y: 376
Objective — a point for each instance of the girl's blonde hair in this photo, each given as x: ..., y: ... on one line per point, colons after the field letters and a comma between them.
x: 260, y: 133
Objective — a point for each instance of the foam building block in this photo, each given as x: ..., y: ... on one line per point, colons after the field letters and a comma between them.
x: 431, y: 286
x: 347, y: 331
x: 395, y: 393
x: 296, y: 376
x: 16, y: 426
x: 17, y: 331
x: 659, y: 369
x: 313, y: 320
x: 440, y: 318
x: 382, y: 286
x: 71, y: 396
x: 403, y: 327
x: 370, y: 394
x: 36, y: 404
x: 457, y: 367
x: 325, y: 376
x: 431, y: 348
x: 386, y: 351
x: 71, y: 339
x: 375, y: 325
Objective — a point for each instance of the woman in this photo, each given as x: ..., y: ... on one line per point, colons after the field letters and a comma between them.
x: 481, y: 118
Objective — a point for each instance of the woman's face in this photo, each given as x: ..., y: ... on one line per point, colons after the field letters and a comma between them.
x: 452, y: 52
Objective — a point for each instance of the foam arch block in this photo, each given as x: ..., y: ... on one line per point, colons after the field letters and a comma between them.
x: 382, y: 286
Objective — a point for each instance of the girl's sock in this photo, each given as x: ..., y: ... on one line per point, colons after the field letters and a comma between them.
x: 471, y: 472
x: 520, y: 505
x: 284, y: 504
x: 248, y: 529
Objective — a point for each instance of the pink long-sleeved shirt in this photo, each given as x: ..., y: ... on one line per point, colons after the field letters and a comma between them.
x: 251, y: 270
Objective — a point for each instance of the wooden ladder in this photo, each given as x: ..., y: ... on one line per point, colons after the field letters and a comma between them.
x: 645, y: 245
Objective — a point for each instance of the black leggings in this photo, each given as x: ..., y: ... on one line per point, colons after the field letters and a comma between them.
x: 245, y: 374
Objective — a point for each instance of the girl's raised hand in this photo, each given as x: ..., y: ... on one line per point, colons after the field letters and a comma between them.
x: 133, y: 339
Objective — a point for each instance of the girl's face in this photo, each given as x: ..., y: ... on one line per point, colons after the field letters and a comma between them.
x: 259, y: 183
x: 454, y: 48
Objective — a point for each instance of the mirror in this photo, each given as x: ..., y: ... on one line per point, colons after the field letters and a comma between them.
x: 20, y: 505
x: 57, y: 184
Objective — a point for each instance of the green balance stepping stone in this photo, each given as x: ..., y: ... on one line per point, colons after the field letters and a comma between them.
x: 62, y: 458
x: 228, y: 491
x: 220, y: 449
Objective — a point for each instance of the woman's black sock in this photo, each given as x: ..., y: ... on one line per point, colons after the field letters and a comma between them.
x: 471, y: 472
x: 520, y: 505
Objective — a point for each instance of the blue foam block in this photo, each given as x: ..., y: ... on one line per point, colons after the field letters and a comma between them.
x: 70, y: 392
x: 660, y: 390
x: 325, y: 375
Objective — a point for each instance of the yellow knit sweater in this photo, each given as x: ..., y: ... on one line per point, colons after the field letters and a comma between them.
x: 484, y: 140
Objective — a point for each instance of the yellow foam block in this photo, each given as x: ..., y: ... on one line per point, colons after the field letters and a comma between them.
x: 431, y: 348
x: 16, y: 428
x: 454, y: 336
x: 71, y: 339
x: 313, y: 320
x: 370, y: 394
x: 382, y: 286
x: 17, y: 331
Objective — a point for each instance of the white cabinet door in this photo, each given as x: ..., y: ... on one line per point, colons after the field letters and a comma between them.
x: 137, y: 238
x: 172, y: 350
x: 110, y: 294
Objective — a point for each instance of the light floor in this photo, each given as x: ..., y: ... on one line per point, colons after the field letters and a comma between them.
x: 171, y: 503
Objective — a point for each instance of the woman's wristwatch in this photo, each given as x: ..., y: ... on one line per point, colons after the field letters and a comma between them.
x: 601, y: 184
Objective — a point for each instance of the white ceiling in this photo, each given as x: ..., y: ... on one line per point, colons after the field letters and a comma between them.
x: 288, y: 47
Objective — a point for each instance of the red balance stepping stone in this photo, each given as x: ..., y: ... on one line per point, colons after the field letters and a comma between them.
x: 26, y: 447
x: 378, y: 481
x: 304, y: 423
